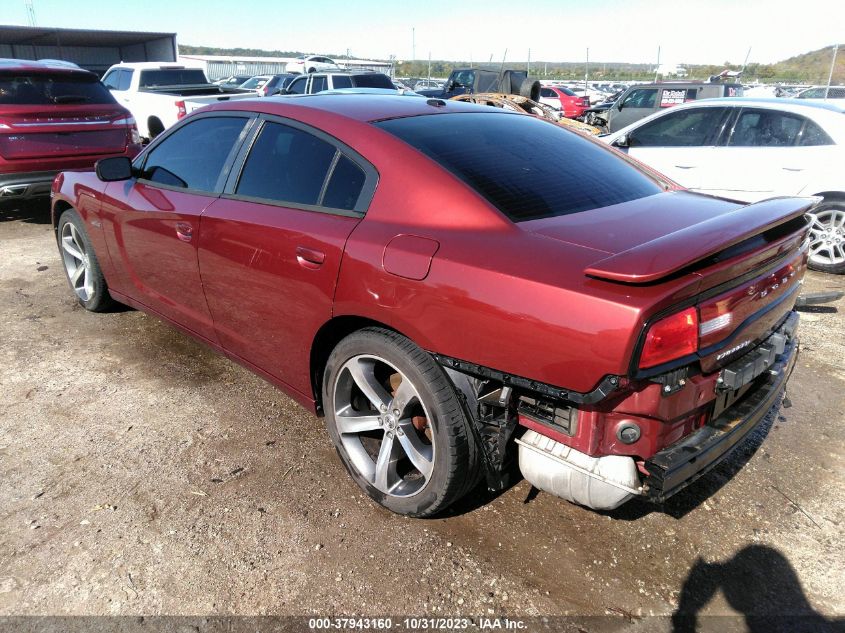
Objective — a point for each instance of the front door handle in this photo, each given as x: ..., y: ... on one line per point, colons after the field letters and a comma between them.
x: 685, y: 166
x: 793, y: 169
x: 309, y: 257
x: 184, y: 231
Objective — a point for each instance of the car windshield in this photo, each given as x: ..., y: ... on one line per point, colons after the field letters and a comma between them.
x: 525, y: 167
x: 171, y: 77
x: 45, y: 88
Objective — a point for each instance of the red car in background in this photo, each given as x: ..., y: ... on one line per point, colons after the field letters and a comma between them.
x: 54, y: 116
x: 565, y: 100
x: 454, y: 287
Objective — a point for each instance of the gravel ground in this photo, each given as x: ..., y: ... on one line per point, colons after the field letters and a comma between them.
x: 140, y: 473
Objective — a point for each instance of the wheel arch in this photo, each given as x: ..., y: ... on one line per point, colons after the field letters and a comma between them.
x: 59, y: 207
x: 831, y: 195
x: 326, y: 339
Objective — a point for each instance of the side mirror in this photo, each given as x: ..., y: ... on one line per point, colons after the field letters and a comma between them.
x: 619, y: 105
x: 114, y: 169
x: 622, y: 141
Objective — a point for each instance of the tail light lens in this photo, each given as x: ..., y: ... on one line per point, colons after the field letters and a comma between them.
x: 670, y: 338
x: 585, y: 102
x: 182, y: 112
x: 132, y: 135
x: 265, y: 90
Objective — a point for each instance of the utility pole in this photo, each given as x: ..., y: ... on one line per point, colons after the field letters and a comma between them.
x: 657, y: 69
x: 503, y: 59
x: 528, y: 66
x: 429, y: 65
x: 587, y: 72
x: 30, y: 13
x: 832, y: 64
x: 413, y: 43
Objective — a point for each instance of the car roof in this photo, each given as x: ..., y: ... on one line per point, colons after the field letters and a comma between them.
x: 780, y: 103
x: 363, y: 107
x: 42, y: 66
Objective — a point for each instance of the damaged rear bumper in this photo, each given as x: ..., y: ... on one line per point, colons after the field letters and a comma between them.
x: 677, y: 466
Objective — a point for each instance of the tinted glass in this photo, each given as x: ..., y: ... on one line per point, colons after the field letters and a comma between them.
x: 567, y: 91
x: 374, y: 80
x: 297, y: 86
x: 254, y: 83
x: 344, y: 186
x: 124, y: 79
x: 547, y: 92
x: 814, y: 135
x: 765, y: 128
x: 342, y: 81
x: 642, y: 98
x: 286, y: 165
x: 525, y: 167
x: 50, y: 89
x: 111, y: 79
x: 319, y: 83
x: 193, y: 156
x: 171, y: 77
x: 679, y: 129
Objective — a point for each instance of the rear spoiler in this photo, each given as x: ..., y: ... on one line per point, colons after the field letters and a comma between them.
x: 670, y: 253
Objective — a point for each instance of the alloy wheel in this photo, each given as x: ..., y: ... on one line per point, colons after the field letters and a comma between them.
x: 827, y: 237
x: 383, y: 425
x: 76, y: 261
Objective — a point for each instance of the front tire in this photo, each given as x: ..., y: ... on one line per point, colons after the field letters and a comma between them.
x: 827, y: 237
x: 81, y: 265
x: 397, y: 423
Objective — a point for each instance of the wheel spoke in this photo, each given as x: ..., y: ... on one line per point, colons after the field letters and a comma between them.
x: 384, y: 464
x: 420, y: 454
x: 70, y: 248
x: 351, y: 423
x: 80, y: 270
x: 363, y: 373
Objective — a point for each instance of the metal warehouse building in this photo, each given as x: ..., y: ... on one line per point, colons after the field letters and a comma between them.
x: 220, y: 66
x: 94, y: 50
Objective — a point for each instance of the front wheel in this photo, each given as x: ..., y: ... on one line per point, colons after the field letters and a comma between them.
x: 397, y: 423
x: 827, y: 237
x: 81, y: 265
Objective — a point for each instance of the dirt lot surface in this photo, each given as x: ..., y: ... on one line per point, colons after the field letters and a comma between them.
x: 140, y: 473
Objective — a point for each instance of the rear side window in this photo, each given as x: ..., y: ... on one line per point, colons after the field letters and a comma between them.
x: 525, y: 167
x: 341, y: 81
x: 814, y: 135
x: 670, y: 96
x: 344, y: 186
x: 766, y: 128
x: 52, y: 89
x: 685, y: 128
x: 641, y: 98
x: 193, y: 156
x: 318, y: 83
x: 374, y: 80
x: 286, y: 164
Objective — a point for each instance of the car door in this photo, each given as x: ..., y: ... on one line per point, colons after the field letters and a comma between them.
x: 639, y: 103
x: 152, y: 222
x: 677, y: 143
x: 766, y: 153
x: 271, y: 246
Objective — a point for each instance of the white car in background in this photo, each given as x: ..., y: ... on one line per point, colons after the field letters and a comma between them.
x: 311, y: 64
x: 753, y: 149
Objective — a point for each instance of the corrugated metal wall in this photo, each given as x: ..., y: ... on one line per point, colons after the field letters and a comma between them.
x: 220, y: 69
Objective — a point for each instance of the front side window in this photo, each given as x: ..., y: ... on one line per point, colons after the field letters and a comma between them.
x: 547, y: 93
x: 685, y: 128
x: 111, y: 79
x: 124, y: 80
x: 641, y: 98
x: 766, y: 128
x: 193, y: 156
x: 527, y: 168
x: 297, y: 86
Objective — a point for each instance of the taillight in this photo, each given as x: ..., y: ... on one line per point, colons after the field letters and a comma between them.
x: 182, y: 112
x: 265, y: 90
x: 670, y: 338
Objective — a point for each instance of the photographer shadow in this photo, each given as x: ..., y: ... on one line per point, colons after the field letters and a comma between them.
x: 761, y: 585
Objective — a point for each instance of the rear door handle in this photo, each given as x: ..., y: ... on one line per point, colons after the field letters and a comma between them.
x: 184, y: 231
x: 685, y: 166
x: 793, y: 169
x: 309, y: 257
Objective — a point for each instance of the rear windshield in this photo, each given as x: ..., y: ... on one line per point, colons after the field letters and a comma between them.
x: 376, y: 80
x: 566, y: 91
x: 46, y: 89
x: 172, y: 77
x: 525, y: 167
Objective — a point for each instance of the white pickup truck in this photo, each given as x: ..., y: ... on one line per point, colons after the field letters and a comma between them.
x: 159, y: 94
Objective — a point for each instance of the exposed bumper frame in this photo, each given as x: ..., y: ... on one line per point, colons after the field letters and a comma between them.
x: 677, y: 466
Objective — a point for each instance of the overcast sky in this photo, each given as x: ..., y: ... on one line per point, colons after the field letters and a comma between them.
x: 688, y: 31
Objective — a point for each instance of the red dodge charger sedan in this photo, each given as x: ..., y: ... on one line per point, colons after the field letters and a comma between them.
x: 459, y: 290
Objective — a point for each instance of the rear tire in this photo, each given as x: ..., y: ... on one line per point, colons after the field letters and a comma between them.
x: 404, y: 437
x: 81, y: 265
x: 827, y: 237
x: 530, y: 88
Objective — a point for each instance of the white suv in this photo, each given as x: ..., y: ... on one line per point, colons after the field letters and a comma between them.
x: 318, y: 82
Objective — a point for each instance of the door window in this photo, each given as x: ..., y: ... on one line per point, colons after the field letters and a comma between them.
x: 641, y: 98
x: 684, y: 128
x: 341, y: 81
x: 814, y: 135
x: 193, y: 156
x: 765, y: 128
x: 111, y: 79
x: 318, y: 83
x: 297, y: 86
x: 124, y: 80
x: 547, y: 93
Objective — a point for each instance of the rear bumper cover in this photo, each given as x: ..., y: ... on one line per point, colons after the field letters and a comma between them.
x: 677, y: 466
x: 26, y: 185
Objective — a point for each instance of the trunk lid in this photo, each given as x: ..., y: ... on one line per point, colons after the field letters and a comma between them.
x: 37, y: 131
